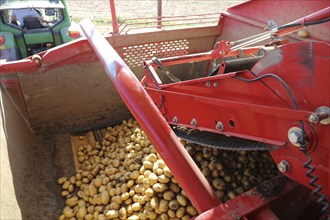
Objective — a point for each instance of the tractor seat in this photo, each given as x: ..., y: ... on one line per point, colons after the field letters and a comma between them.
x: 32, y: 23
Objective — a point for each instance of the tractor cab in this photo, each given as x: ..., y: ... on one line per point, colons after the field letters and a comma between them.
x: 29, y: 27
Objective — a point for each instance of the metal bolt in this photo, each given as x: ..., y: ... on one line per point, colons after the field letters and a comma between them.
x: 219, y: 126
x: 208, y: 84
x: 295, y: 135
x: 175, y: 119
x: 313, y: 118
x: 193, y: 122
x: 215, y: 84
x: 283, y: 166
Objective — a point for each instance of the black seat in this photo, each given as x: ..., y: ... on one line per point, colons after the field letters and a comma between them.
x: 32, y: 23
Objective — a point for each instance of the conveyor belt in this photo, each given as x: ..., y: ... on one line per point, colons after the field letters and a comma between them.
x: 213, y: 140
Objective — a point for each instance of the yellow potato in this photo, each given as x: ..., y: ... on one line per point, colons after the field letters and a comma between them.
x: 82, y: 212
x: 111, y: 214
x: 163, y: 205
x: 182, y: 200
x: 68, y: 212
x: 152, y: 178
x: 159, y: 187
x: 180, y: 212
x: 174, y: 204
x: 66, y: 185
x: 105, y: 197
x: 169, y: 195
x: 72, y: 201
x: 122, y: 213
x: 136, y: 206
x: 154, y: 202
x: 191, y: 210
x: 62, y: 180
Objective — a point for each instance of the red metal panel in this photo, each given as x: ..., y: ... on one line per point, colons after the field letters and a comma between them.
x: 262, y: 110
x: 251, y: 205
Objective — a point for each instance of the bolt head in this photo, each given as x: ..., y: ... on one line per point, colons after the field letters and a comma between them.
x: 219, y: 126
x: 313, y: 118
x: 283, y: 166
x: 294, y: 136
x: 193, y: 122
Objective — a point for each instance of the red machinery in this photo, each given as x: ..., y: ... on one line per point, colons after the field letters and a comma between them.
x: 279, y: 101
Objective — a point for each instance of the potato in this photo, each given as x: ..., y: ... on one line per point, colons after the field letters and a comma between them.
x: 136, y: 206
x: 72, y: 201
x: 117, y: 199
x: 168, y: 195
x: 182, y: 200
x: 163, y: 179
x: 154, y: 202
x: 122, y: 213
x: 92, y: 190
x: 142, y: 216
x: 133, y: 217
x: 81, y: 203
x: 89, y: 217
x: 164, y: 216
x: 101, y: 217
x: 135, y: 174
x: 97, y: 182
x: 152, y: 178
x: 175, y: 188
x: 111, y: 214
x: 149, y: 192
x: 64, y: 193
x: 62, y: 180
x: 68, y: 212
x: 71, y: 188
x: 152, y: 157
x: 163, y: 205
x: 90, y: 209
x: 82, y: 212
x: 105, y: 197
x: 231, y: 194
x: 66, y: 185
x: 159, y: 187
x: 180, y: 212
x: 124, y: 196
x: 191, y: 210
x: 219, y: 184
x: 150, y: 214
x: 147, y: 164
x: 171, y: 213
x: 174, y: 204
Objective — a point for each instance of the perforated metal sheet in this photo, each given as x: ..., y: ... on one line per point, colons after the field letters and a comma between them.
x: 135, y: 55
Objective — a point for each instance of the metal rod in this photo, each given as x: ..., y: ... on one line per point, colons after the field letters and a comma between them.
x: 319, y: 15
x: 159, y: 14
x: 114, y: 17
x: 153, y: 123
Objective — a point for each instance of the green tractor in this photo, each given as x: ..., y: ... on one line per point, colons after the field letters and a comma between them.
x: 47, y: 24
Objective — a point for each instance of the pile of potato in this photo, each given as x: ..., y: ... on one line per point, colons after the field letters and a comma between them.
x: 125, y: 178
x: 232, y: 172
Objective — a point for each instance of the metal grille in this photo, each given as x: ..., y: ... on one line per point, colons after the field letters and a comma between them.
x: 135, y: 55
